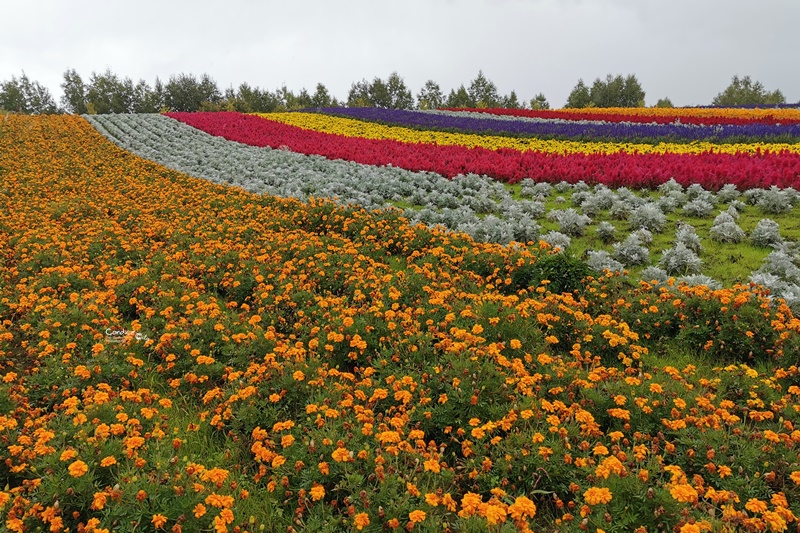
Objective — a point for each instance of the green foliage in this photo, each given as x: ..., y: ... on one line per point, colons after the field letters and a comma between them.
x: 483, y: 92
x: 745, y: 91
x: 540, y: 102
x: 511, y: 101
x: 74, y: 97
x: 430, y: 96
x: 564, y: 272
x: 185, y: 92
x: 664, y: 102
x: 25, y: 96
x: 579, y: 97
x: 389, y: 94
x: 614, y: 91
x: 459, y: 98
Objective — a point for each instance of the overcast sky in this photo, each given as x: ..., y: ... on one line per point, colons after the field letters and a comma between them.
x: 686, y: 50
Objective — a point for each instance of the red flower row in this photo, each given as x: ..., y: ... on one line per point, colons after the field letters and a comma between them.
x: 615, y: 170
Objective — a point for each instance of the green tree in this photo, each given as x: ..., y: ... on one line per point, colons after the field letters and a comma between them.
x: 147, y: 99
x: 614, y: 91
x: 580, y: 96
x: 249, y: 99
x: 430, y: 96
x: 389, y: 94
x: 540, y: 102
x: 379, y: 94
x: 25, y: 96
x: 459, y: 98
x: 359, y: 95
x: 107, y: 93
x: 184, y: 92
x: 511, y: 101
x: 399, y: 95
x: 483, y: 92
x: 74, y: 97
x: 664, y: 102
x: 303, y: 100
x: 321, y: 97
x: 745, y: 91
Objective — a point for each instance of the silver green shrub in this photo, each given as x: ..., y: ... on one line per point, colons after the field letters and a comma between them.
x: 766, y: 233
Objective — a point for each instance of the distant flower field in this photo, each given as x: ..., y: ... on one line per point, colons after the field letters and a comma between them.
x: 198, y: 334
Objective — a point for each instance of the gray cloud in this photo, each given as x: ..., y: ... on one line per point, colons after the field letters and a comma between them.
x: 687, y: 50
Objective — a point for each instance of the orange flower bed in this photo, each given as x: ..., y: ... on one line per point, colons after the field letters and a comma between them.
x: 180, y: 356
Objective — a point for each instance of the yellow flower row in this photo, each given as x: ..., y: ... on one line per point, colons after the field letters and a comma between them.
x: 369, y: 130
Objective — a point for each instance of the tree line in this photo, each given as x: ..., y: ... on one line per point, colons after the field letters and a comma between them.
x: 106, y: 92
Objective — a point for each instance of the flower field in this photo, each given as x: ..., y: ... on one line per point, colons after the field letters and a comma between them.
x: 510, y: 159
x: 178, y: 354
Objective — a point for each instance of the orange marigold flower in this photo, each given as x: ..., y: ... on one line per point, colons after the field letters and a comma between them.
x: 795, y: 476
x: 361, y: 520
x: 98, y: 501
x: 317, y: 492
x: 199, y: 510
x: 596, y: 495
x: 159, y: 520
x: 754, y: 505
x: 226, y: 516
x: 684, y: 493
x: 66, y: 455
x: 219, y: 500
x: 523, y: 507
x: 432, y: 499
x: 341, y: 455
x: 108, y: 461
x: 495, y: 514
x: 432, y: 465
x: 417, y: 516
x: 78, y: 468
x: 215, y: 475
x: 775, y: 521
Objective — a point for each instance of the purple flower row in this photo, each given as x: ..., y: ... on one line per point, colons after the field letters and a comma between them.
x: 617, y: 132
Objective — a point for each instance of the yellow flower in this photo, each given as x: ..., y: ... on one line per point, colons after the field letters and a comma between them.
x: 596, y: 496
x: 523, y: 507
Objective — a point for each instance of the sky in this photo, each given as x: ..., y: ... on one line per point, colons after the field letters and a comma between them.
x: 686, y: 50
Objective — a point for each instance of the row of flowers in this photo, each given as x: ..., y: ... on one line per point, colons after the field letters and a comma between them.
x: 480, y: 123
x: 711, y: 170
x: 370, y: 130
x: 308, y: 366
x: 691, y: 115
